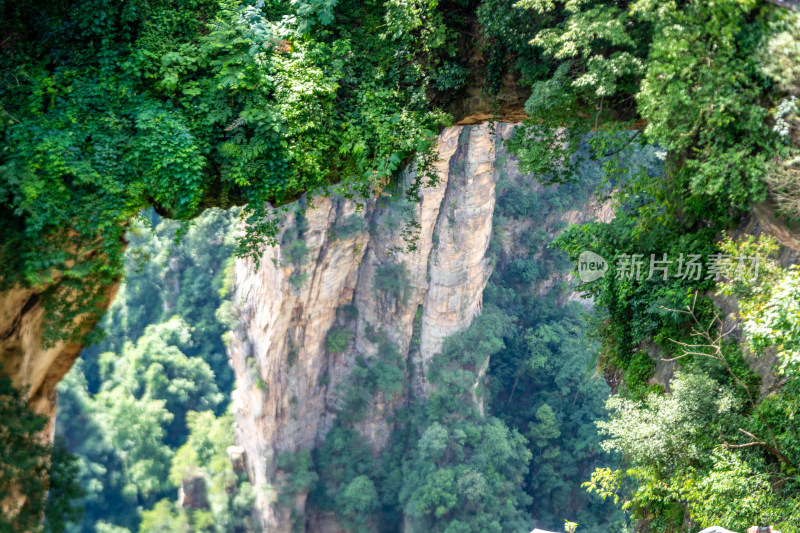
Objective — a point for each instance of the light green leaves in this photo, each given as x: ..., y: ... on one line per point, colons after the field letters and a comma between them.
x: 310, y: 12
x: 769, y: 299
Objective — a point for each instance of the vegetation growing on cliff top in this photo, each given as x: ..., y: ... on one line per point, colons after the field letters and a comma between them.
x: 109, y: 108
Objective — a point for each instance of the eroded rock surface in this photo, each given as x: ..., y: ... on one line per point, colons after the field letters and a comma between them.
x: 23, y: 356
x: 31, y: 364
x: 289, y: 377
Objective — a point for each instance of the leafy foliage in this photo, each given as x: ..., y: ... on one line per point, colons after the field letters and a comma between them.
x: 716, y: 152
x: 338, y: 339
x: 156, y: 368
x: 680, y: 114
x: 381, y: 374
x: 110, y: 108
x: 230, y: 497
x: 392, y: 280
x: 300, y: 474
x: 541, y: 382
x: 350, y: 227
x: 139, y: 409
x: 693, y: 79
x: 172, y: 270
x: 677, y: 461
x: 37, y: 479
x: 769, y: 300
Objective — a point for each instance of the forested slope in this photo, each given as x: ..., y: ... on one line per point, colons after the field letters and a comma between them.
x: 148, y: 406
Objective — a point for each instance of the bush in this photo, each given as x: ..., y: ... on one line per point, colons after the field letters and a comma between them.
x: 24, y: 458
x: 416, y: 330
x: 357, y: 502
x: 301, y: 475
x: 348, y: 312
x: 297, y: 280
x: 295, y: 252
x: 338, y: 340
x: 392, y: 280
x: 450, y: 77
x: 352, y: 226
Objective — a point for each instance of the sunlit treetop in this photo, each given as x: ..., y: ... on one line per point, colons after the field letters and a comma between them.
x: 111, y: 107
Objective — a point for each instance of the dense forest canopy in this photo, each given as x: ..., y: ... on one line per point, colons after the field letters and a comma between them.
x: 137, y: 435
x: 149, y: 403
x: 111, y: 108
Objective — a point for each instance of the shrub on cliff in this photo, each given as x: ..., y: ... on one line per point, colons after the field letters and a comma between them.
x: 392, y: 280
x: 338, y: 339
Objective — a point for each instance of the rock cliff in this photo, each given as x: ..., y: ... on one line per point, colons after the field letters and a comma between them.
x: 32, y: 365
x: 25, y: 359
x: 345, y: 272
x: 286, y: 375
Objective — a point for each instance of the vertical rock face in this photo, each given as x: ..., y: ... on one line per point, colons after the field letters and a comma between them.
x: 30, y: 364
x: 287, y: 374
x: 458, y: 266
x: 339, y: 276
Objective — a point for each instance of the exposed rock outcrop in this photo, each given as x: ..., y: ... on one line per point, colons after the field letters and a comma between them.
x: 193, y: 494
x: 23, y: 356
x: 336, y: 273
x: 29, y: 363
x: 480, y: 100
x: 286, y: 397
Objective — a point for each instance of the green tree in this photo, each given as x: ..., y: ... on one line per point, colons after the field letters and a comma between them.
x: 191, y: 105
x: 162, y: 517
x: 80, y: 425
x: 167, y: 274
x: 358, y: 501
x: 150, y: 353
x: 230, y: 494
x: 31, y: 467
x: 156, y: 368
x: 137, y: 431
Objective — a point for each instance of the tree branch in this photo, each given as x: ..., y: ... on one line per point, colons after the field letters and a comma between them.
x: 9, y: 114
x: 621, y: 148
x: 755, y: 442
x: 714, y: 344
x: 794, y: 5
